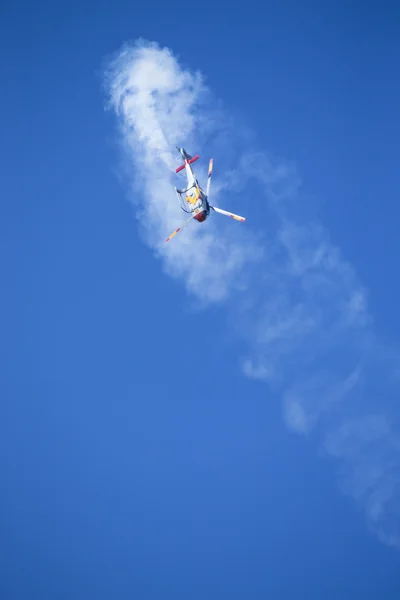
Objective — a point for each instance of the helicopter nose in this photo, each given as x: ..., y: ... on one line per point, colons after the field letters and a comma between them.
x: 201, y: 216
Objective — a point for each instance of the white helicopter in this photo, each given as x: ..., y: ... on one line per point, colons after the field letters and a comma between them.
x: 193, y: 200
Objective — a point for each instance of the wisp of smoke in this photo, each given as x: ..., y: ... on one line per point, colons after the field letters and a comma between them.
x: 304, y: 319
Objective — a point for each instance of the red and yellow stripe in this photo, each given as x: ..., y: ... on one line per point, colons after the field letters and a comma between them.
x: 172, y: 234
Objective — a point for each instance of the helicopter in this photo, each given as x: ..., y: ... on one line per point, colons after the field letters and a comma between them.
x: 193, y: 200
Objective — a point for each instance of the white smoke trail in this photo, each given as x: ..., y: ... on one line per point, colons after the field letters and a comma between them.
x: 159, y: 106
x: 304, y: 317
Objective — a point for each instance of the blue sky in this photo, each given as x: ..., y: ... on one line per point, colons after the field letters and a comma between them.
x: 218, y: 416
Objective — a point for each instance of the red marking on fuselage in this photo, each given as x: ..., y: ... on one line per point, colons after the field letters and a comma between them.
x: 201, y: 217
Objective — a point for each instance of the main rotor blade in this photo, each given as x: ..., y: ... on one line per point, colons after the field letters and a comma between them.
x: 179, y: 228
x: 228, y: 214
x: 210, y: 168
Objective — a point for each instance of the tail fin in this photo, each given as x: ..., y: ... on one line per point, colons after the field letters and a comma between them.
x: 187, y: 161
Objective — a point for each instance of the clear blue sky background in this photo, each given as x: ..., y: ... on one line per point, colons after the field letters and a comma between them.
x: 123, y: 473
